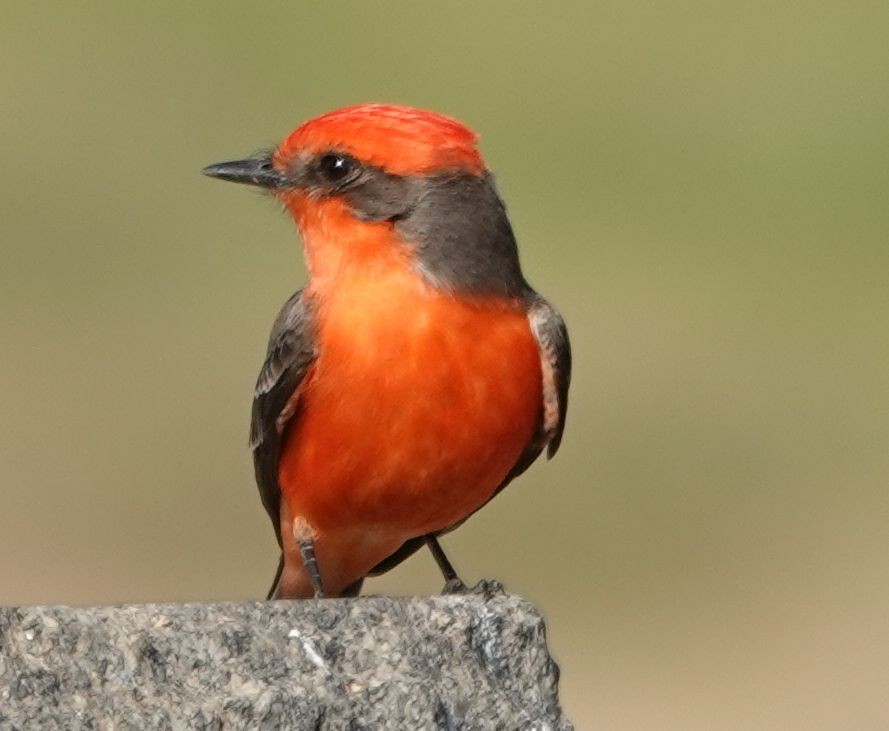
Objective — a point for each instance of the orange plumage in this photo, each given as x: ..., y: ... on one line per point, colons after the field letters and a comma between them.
x: 426, y: 373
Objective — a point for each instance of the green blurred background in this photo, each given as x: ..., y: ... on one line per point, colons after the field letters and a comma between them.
x: 700, y: 187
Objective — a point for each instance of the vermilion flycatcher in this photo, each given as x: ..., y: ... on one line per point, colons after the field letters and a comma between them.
x: 417, y: 372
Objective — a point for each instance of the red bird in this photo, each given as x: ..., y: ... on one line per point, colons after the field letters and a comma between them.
x: 417, y: 373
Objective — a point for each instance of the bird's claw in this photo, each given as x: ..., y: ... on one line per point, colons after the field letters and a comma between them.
x: 455, y: 586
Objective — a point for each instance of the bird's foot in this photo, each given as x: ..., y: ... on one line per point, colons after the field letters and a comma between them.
x: 455, y: 586
x: 486, y: 588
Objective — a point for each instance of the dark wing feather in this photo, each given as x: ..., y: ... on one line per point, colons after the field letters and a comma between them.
x: 290, y: 353
x: 555, y: 359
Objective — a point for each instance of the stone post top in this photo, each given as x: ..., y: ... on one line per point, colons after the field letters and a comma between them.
x: 477, y: 660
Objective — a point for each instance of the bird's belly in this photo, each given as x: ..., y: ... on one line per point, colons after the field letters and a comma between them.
x: 409, y: 423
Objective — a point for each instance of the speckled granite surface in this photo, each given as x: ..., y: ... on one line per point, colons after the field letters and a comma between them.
x: 473, y: 661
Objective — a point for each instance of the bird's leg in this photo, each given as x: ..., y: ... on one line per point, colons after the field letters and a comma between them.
x: 305, y: 539
x: 453, y: 584
x: 307, y: 551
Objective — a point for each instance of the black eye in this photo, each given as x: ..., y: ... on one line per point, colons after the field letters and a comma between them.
x: 336, y: 168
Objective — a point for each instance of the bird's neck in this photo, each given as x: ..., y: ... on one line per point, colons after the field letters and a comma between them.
x: 340, y: 247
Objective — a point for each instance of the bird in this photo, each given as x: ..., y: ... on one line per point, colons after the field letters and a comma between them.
x: 416, y: 373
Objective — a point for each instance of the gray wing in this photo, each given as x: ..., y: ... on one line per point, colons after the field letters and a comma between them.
x: 291, y: 351
x: 555, y: 357
x: 551, y: 334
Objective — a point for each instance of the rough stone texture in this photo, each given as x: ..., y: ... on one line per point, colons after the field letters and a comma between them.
x: 472, y: 661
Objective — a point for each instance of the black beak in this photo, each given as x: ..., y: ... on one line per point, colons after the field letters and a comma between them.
x: 252, y: 171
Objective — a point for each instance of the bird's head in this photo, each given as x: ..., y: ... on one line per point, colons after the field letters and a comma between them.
x: 375, y: 182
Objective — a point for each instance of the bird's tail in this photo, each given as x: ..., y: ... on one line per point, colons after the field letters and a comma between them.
x: 274, y: 588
